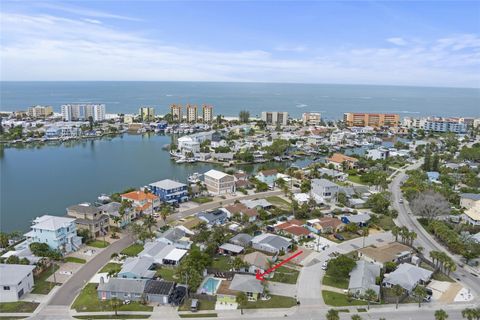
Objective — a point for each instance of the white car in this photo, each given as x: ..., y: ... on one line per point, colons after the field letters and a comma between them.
x: 325, y: 265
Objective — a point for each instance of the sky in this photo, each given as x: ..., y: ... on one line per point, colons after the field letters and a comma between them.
x: 429, y: 43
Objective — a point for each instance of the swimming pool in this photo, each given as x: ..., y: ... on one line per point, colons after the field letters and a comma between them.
x: 210, y: 286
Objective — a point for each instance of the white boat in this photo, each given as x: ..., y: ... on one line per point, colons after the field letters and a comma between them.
x: 194, y: 178
x: 103, y: 198
x: 181, y: 160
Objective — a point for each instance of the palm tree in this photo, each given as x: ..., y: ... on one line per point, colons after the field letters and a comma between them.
x: 412, y: 235
x: 356, y: 317
x: 115, y: 302
x: 420, y: 293
x: 441, y: 315
x: 149, y: 222
x: 242, y: 300
x: 397, y: 292
x: 332, y: 314
x: 396, y: 232
x: 370, y: 295
x: 164, y: 214
x: 468, y: 313
x: 365, y: 233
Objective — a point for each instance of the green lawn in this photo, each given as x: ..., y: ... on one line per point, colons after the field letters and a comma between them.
x: 87, y: 301
x: 120, y: 316
x: 340, y: 300
x: 285, y: 275
x: 42, y: 286
x: 111, y: 266
x: 98, y: 243
x: 201, y: 200
x: 18, y: 306
x: 385, y: 222
x: 355, y: 179
x: 75, y: 260
x: 133, y: 250
x: 221, y: 263
x: 199, y: 315
x: 274, y: 302
x: 166, y: 274
x: 337, y: 283
x: 279, y: 202
x: 202, y: 305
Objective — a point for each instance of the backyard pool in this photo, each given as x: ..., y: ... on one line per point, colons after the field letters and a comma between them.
x: 210, y: 286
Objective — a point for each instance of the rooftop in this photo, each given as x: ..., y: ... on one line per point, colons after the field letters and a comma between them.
x: 52, y: 223
x: 12, y: 274
x: 246, y: 283
x: 167, y: 184
x: 385, y: 253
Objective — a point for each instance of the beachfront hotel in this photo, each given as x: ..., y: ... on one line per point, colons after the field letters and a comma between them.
x: 147, y: 113
x: 275, y: 118
x: 353, y: 119
x: 82, y: 112
x: 207, y: 113
x: 176, y: 111
x: 311, y: 118
x: 191, y: 113
x: 40, y: 111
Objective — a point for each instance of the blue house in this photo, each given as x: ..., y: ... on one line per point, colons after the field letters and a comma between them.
x: 267, y: 176
x: 169, y: 191
x: 359, y: 219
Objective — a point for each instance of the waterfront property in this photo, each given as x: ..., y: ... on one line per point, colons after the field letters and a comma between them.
x: 59, y: 233
x: 15, y: 281
x: 324, y: 189
x: 267, y: 176
x: 371, y: 119
x: 89, y: 218
x: 112, y: 209
x: 143, y: 202
x: 341, y: 162
x: 218, y: 182
x: 169, y: 191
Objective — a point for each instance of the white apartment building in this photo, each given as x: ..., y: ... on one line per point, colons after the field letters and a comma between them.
x: 218, y: 182
x: 191, y: 113
x: 207, y: 113
x: 76, y: 112
x: 275, y: 118
x: 311, y: 118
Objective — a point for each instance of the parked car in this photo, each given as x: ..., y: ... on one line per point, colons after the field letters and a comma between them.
x: 339, y: 237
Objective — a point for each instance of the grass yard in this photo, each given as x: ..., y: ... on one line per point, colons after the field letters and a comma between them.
x: 87, y: 301
x: 133, y: 250
x: 201, y: 200
x: 355, y: 179
x: 274, y: 302
x: 120, y: 316
x: 166, y: 274
x: 340, y: 300
x: 98, y: 244
x: 285, y: 275
x: 385, y: 222
x: 111, y: 266
x: 42, y: 286
x: 202, y: 305
x: 18, y: 306
x: 336, y: 283
x: 75, y: 260
x: 199, y: 315
x: 221, y: 263
x: 279, y: 202
x: 440, y: 276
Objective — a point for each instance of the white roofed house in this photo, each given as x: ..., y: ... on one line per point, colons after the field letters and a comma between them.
x: 218, y: 182
x: 407, y: 276
x: 179, y: 237
x: 137, y: 268
x: 363, y: 277
x: 162, y: 253
x: 271, y: 243
x: 15, y: 281
x: 324, y: 189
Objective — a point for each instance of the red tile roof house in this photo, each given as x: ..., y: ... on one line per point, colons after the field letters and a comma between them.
x: 243, y: 210
x: 330, y: 225
x: 293, y: 228
x: 337, y: 159
x: 143, y: 203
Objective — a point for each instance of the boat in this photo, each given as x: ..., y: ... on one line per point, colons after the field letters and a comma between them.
x: 194, y: 178
x: 181, y: 160
x: 103, y: 198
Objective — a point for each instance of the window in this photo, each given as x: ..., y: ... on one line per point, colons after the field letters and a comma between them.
x: 6, y: 288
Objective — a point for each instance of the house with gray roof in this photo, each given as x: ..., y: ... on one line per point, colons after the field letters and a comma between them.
x: 324, y: 189
x: 271, y: 243
x: 178, y: 237
x: 212, y: 218
x: 257, y: 203
x: 363, y: 277
x: 230, y: 249
x: 407, y: 276
x: 112, y: 209
x: 360, y: 219
x: 241, y: 239
x: 247, y: 284
x: 137, y: 268
x: 158, y: 291
x: 15, y: 281
x: 89, y: 218
x: 123, y: 289
x: 162, y: 253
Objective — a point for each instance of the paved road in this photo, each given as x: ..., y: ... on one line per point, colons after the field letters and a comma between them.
x: 424, y: 239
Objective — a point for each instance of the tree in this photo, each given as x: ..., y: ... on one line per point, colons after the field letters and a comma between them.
x: 332, y: 314
x: 379, y: 202
x: 356, y: 317
x: 470, y: 313
x: 149, y: 222
x: 305, y: 186
x: 441, y: 315
x: 397, y: 291
x: 90, y: 122
x: 241, y: 300
x: 114, y: 270
x: 420, y: 293
x: 340, y: 267
x: 370, y: 295
x: 3, y: 239
x: 115, y: 302
x: 396, y: 232
x: 430, y: 204
x: 244, y: 116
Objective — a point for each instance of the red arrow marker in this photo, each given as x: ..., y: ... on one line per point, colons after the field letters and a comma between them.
x: 259, y: 275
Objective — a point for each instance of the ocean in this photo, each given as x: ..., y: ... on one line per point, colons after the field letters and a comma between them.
x: 230, y: 98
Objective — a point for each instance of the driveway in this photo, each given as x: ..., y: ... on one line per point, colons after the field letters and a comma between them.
x: 282, y: 289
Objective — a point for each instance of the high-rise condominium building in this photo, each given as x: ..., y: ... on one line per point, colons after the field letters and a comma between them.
x: 40, y: 111
x: 191, y: 113
x: 311, y: 118
x: 146, y: 113
x: 352, y: 119
x: 176, y: 111
x: 275, y: 118
x: 76, y: 112
x: 207, y: 113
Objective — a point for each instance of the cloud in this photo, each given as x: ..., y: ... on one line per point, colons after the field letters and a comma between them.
x: 50, y: 47
x: 291, y: 48
x: 397, y: 41
x: 79, y: 11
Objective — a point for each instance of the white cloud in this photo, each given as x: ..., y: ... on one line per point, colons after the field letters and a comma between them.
x: 291, y: 48
x: 398, y: 41
x: 47, y: 47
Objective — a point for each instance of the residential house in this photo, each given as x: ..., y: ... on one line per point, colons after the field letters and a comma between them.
x: 247, y: 284
x: 378, y: 154
x: 212, y: 218
x: 241, y: 239
x: 472, y: 216
x: 169, y: 191
x: 363, y: 277
x: 356, y: 203
x: 469, y: 200
x: 390, y: 252
x: 15, y: 281
x: 433, y: 176
x: 89, y: 218
x: 361, y: 219
x: 241, y: 180
x: 257, y: 262
x: 218, y: 182
x: 59, y: 233
x: 324, y: 189
x: 271, y: 243
x: 112, y: 209
x: 332, y: 173
x: 407, y: 276
x: 257, y: 203
x: 179, y: 237
x: 142, y: 202
x: 340, y: 161
x: 121, y: 288
x: 162, y: 253
x: 293, y: 228
x: 328, y: 225
x: 242, y: 210
x: 137, y: 268
x: 230, y: 249
x: 158, y: 291
x: 267, y: 176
